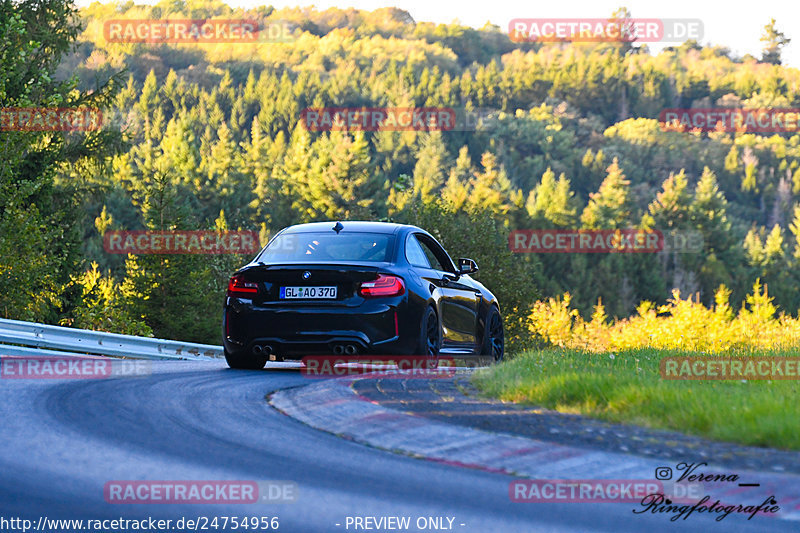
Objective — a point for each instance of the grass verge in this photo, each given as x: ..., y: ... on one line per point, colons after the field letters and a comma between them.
x: 627, y: 387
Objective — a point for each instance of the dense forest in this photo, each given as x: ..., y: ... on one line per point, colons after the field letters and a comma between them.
x: 210, y: 136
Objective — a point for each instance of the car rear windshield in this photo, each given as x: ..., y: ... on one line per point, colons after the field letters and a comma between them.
x: 325, y: 247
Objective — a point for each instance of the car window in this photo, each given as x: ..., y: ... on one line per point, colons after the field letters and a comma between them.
x: 300, y: 247
x: 414, y: 253
x: 437, y: 257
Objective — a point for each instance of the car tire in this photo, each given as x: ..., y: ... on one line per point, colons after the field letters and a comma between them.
x: 493, y: 337
x: 430, y: 338
x: 248, y: 362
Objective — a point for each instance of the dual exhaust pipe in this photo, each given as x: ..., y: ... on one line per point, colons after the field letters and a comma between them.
x: 338, y: 349
x: 262, y: 350
x: 342, y: 349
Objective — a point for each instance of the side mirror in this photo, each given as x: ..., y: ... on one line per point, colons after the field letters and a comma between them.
x: 466, y: 266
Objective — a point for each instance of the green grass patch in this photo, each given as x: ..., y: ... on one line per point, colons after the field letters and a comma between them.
x: 627, y: 387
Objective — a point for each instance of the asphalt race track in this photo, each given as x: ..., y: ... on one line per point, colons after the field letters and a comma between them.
x: 63, y: 440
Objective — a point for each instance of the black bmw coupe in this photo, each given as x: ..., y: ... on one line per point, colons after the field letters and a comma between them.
x: 357, y: 288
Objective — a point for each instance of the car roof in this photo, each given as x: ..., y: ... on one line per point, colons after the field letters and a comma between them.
x: 350, y: 226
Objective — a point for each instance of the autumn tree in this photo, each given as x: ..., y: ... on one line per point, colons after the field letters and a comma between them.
x: 774, y: 42
x: 610, y: 206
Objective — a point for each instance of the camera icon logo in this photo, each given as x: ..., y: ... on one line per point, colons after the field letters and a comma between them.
x: 663, y: 473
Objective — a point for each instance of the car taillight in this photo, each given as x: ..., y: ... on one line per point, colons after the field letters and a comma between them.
x: 385, y: 285
x: 237, y: 286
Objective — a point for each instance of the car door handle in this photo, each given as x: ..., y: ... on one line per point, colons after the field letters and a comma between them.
x: 447, y: 278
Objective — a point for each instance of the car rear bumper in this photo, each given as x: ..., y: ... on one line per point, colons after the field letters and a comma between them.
x: 292, y: 332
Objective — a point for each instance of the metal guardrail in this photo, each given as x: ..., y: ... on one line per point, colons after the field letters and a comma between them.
x: 57, y: 340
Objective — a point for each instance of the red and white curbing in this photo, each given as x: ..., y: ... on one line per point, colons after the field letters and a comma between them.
x: 333, y: 406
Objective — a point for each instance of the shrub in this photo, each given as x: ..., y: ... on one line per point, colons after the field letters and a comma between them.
x: 680, y: 324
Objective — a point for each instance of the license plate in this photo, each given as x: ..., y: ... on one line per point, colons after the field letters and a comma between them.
x: 308, y: 293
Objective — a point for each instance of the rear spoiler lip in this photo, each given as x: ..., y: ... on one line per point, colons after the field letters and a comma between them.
x: 371, y: 266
